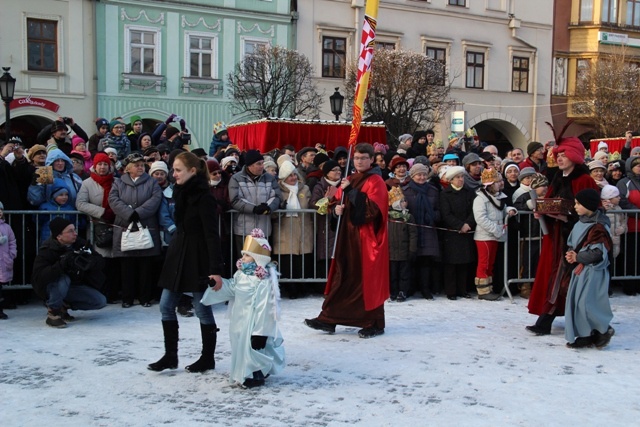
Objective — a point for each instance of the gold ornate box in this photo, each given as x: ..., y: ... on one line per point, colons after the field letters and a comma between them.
x: 553, y: 206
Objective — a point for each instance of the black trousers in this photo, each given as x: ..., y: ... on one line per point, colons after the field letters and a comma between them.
x: 137, y: 279
x: 399, y: 277
x: 457, y: 278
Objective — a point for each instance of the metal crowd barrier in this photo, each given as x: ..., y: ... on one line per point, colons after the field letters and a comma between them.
x: 529, y: 245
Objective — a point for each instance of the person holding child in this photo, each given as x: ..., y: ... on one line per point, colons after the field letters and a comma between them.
x: 588, y: 311
x: 254, y: 295
x: 192, y: 263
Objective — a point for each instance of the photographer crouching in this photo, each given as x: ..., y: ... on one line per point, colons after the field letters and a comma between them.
x: 67, y: 274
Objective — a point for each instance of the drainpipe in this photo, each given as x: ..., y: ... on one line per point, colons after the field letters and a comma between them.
x: 514, y: 24
x: 357, y: 5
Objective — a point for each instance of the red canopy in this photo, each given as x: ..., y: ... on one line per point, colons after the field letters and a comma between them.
x: 615, y: 144
x: 267, y: 134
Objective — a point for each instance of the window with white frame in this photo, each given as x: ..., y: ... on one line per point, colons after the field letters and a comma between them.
x: 42, y: 45
x: 334, y: 56
x: 520, y: 74
x: 251, y: 45
x: 385, y: 45
x: 633, y: 13
x: 439, y: 55
x: 475, y: 69
x: 586, y: 10
x: 201, y: 50
x: 457, y: 2
x: 610, y: 11
x: 143, y: 50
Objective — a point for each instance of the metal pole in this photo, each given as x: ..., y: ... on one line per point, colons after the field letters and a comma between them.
x: 335, y: 241
x: 7, y: 124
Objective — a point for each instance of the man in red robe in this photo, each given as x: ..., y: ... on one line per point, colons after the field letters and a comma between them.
x: 358, y: 282
x: 550, y: 288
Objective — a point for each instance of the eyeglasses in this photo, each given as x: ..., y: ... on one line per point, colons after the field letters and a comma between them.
x: 77, y: 162
x: 118, y: 127
x: 216, y: 173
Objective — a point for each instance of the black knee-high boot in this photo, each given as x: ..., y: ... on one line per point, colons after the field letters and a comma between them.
x: 206, y: 361
x: 170, y: 358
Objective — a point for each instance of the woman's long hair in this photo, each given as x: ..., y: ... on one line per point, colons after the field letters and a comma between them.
x: 190, y: 160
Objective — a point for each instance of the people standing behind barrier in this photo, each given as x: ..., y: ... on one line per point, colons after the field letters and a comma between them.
x: 314, y: 176
x: 40, y: 192
x: 403, y: 246
x: 629, y: 188
x: 473, y: 165
x: 529, y: 231
x: 399, y: 173
x: 615, y: 172
x: 77, y: 160
x: 136, y: 197
x: 102, y: 126
x: 322, y: 193
x: 341, y: 155
x: 459, y: 250
x: 490, y: 213
x: 220, y: 139
x: 8, y: 253
x: 293, y: 232
x: 536, y: 155
x: 66, y: 274
x: 145, y: 143
x: 610, y: 196
x: 135, y: 132
x: 116, y: 138
x: 305, y: 161
x: 525, y: 176
x: 56, y: 134
x: 93, y: 200
x: 57, y: 204
x: 80, y: 147
x: 255, y: 195
x: 422, y: 199
x: 548, y: 295
x: 511, y: 173
x: 219, y: 189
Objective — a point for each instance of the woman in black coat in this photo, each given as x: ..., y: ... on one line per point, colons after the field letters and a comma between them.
x: 456, y: 211
x: 193, y: 261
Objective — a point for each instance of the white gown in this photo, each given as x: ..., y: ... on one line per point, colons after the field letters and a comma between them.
x: 253, y: 305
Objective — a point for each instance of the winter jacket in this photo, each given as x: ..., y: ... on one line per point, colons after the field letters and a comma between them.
x: 403, y: 237
x: 489, y: 219
x: 428, y: 244
x: 630, y: 195
x: 90, y: 202
x: 194, y: 252
x: 44, y: 138
x: 143, y: 196
x: 216, y: 144
x: 245, y: 193
x: 618, y: 222
x: 54, y: 210
x: 8, y: 252
x: 294, y: 234
x: 165, y: 215
x: 456, y: 209
x: 38, y: 194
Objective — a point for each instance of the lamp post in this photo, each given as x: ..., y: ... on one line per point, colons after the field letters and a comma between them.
x: 7, y: 88
x: 336, y: 100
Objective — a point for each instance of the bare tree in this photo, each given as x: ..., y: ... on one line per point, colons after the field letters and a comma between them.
x: 607, y: 93
x: 274, y: 82
x: 408, y: 91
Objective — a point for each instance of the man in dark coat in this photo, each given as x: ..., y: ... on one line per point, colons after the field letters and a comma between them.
x: 61, y: 271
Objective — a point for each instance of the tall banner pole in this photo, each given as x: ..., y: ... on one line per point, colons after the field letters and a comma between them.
x: 367, y: 47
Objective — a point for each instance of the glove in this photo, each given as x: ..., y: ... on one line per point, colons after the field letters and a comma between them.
x: 134, y: 217
x: 258, y: 342
x: 170, y: 119
x: 262, y: 209
x: 183, y: 125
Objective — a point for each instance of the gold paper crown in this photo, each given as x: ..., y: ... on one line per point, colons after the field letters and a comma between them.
x: 437, y: 143
x: 551, y: 159
x: 395, y: 194
x: 253, y: 245
x: 489, y: 176
x: 614, y: 156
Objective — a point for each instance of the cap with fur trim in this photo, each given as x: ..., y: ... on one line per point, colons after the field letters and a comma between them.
x: 286, y: 169
x: 257, y: 247
x: 609, y: 192
x: 453, y: 171
x: 158, y: 166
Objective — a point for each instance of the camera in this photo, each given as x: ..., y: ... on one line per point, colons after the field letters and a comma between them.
x: 186, y: 138
x: 66, y: 120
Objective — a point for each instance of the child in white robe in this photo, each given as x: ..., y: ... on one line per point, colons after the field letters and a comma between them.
x: 254, y: 295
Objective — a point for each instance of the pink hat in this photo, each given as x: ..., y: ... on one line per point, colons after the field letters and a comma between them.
x: 77, y: 140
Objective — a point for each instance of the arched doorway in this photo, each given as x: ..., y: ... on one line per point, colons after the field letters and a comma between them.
x: 26, y: 127
x: 501, y: 130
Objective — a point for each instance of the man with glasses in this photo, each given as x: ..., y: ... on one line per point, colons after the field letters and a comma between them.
x: 62, y: 272
x: 56, y: 135
x: 358, y: 282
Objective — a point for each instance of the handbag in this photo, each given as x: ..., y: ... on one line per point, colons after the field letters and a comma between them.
x: 136, y: 240
x: 102, y: 235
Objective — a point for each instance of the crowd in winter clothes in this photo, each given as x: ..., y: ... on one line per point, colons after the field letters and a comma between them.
x: 451, y: 204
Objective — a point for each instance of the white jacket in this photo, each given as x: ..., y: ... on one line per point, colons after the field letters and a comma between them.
x: 490, y: 221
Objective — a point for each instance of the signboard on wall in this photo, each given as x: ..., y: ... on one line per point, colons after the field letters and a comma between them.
x: 457, y: 121
x: 34, y: 102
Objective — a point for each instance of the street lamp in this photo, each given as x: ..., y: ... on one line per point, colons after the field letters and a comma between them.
x: 7, y: 88
x: 336, y: 100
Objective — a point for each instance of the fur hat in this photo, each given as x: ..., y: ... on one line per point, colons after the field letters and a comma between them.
x: 539, y: 180
x: 533, y: 146
x: 489, y: 176
x: 257, y: 247
x: 453, y: 171
x: 36, y: 149
x: 418, y: 168
x: 286, y: 169
x: 596, y: 164
x: 57, y: 225
x: 609, y: 192
x: 158, y: 166
x: 589, y: 198
x: 251, y: 157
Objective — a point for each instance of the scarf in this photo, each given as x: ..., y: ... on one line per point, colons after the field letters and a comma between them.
x: 332, y: 183
x: 292, y: 201
x: 104, y: 181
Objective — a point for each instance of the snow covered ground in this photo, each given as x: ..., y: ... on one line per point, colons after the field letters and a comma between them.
x: 440, y: 363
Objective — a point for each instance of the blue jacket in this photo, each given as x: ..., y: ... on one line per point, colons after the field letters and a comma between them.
x: 55, y: 210
x: 39, y: 194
